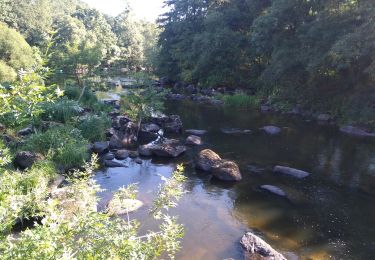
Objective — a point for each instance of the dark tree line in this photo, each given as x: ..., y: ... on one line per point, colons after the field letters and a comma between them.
x: 319, y: 54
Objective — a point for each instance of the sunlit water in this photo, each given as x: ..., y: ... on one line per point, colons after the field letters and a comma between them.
x: 328, y: 215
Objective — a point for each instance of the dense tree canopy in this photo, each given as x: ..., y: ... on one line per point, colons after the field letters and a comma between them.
x: 15, y: 53
x: 319, y: 54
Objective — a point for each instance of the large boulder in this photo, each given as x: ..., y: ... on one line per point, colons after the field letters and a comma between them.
x: 121, y: 154
x: 145, y: 150
x: 355, y: 131
x: 226, y: 171
x: 193, y: 140
x: 206, y: 159
x: 166, y: 148
x: 26, y: 159
x: 299, y: 174
x: 257, y: 248
x: 100, y: 147
x: 170, y: 124
x: 270, y: 129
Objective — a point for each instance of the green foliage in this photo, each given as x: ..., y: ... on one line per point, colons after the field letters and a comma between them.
x: 64, y: 145
x: 62, y: 110
x: 240, y: 100
x: 88, y: 234
x: 5, y: 157
x: 22, y: 194
x: 15, y: 54
x: 140, y: 104
x: 318, y: 54
x: 23, y: 102
x: 93, y: 127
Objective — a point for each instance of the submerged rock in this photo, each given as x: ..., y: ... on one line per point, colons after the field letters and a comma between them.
x: 233, y: 131
x: 193, y: 140
x: 207, y: 159
x: 270, y: 129
x: 355, y: 131
x: 291, y: 172
x: 274, y: 190
x: 138, y: 161
x: 113, y: 164
x: 195, y: 131
x: 226, y: 171
x: 257, y: 248
x: 324, y: 118
x: 26, y: 159
x: 265, y: 108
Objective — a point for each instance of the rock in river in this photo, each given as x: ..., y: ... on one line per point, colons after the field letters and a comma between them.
x: 274, y: 190
x: 193, y: 140
x: 235, y: 131
x: 226, y: 171
x: 100, y: 147
x: 355, y: 131
x: 114, y: 164
x: 206, y: 159
x: 270, y: 129
x: 291, y: 171
x: 117, y: 206
x: 257, y: 248
x: 122, y: 154
x: 196, y: 131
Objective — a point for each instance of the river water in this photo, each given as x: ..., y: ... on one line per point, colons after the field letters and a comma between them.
x: 328, y: 215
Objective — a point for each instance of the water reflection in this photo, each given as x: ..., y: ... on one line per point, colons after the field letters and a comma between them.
x: 329, y: 214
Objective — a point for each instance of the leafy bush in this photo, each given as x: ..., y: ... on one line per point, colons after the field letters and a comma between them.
x: 89, y: 234
x: 61, y: 111
x: 240, y: 100
x: 93, y: 127
x: 64, y: 145
x: 22, y: 194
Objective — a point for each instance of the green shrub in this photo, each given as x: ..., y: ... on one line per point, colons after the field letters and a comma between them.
x: 22, y: 194
x: 61, y: 111
x: 93, y: 127
x: 64, y: 145
x: 88, y: 99
x: 240, y: 100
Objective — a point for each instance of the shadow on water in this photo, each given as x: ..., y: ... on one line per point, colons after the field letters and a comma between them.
x: 329, y: 214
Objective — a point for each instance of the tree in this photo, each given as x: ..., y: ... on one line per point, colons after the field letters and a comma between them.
x: 15, y: 53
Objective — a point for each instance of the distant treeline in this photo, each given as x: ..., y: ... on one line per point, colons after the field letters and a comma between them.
x: 319, y: 54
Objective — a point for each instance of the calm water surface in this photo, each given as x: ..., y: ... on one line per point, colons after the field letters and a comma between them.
x: 329, y: 215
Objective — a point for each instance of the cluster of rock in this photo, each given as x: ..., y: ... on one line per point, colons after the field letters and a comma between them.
x: 211, y: 162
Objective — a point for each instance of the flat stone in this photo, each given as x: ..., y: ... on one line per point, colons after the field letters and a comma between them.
x: 355, y: 131
x: 196, y: 131
x: 121, y: 207
x: 234, y: 131
x: 299, y: 174
x: 114, y: 164
x: 100, y: 147
x: 257, y: 248
x: 274, y: 190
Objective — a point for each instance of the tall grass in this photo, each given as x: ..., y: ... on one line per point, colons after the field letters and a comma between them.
x: 240, y: 100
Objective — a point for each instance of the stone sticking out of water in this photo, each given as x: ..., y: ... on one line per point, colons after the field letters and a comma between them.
x: 257, y: 248
x: 195, y: 131
x: 291, y: 172
x: 234, y: 131
x: 270, y: 129
x: 273, y: 189
x: 355, y: 131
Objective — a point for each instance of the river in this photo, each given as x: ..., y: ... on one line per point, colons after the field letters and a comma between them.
x: 328, y: 215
